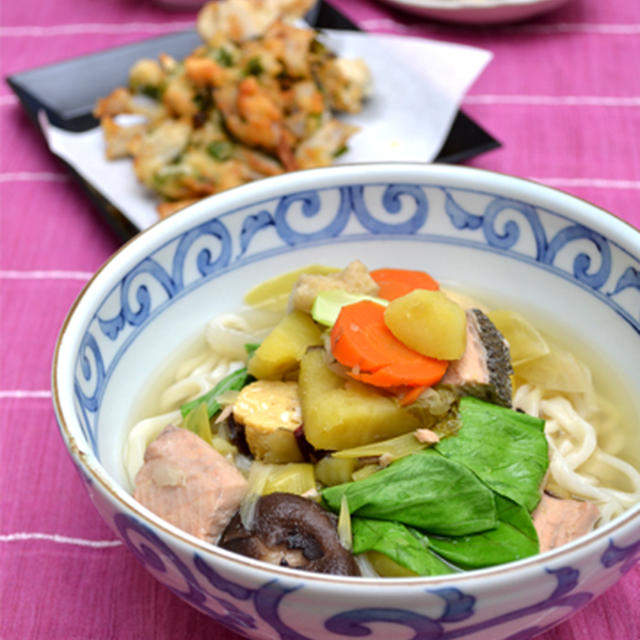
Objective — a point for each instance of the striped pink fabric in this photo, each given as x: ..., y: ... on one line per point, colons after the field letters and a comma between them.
x: 563, y: 96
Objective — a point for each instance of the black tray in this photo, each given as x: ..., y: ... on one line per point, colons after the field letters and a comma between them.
x: 67, y: 91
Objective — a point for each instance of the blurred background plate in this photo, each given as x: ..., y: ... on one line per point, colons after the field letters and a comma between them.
x: 477, y: 11
x: 67, y: 92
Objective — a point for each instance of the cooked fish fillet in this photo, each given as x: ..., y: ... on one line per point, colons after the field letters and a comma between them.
x: 558, y: 522
x: 485, y: 367
x: 188, y: 483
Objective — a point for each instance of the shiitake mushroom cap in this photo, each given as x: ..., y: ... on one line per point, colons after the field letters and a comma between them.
x: 291, y: 531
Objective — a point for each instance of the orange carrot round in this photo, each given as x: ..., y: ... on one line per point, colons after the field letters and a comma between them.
x: 395, y: 283
x: 361, y: 341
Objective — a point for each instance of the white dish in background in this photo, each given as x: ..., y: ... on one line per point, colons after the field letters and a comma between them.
x: 477, y: 11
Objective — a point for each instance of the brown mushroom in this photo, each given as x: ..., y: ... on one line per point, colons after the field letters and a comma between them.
x: 291, y: 531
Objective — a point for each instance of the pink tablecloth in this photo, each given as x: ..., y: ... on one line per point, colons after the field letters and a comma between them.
x: 563, y: 96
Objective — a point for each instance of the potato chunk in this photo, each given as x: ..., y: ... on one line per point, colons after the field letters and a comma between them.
x: 428, y: 322
x: 281, y: 350
x: 340, y: 414
x: 270, y: 413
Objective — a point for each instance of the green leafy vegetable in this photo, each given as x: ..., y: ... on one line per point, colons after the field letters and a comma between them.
x: 340, y: 151
x: 425, y: 490
x: 234, y: 381
x: 405, y: 546
x: 437, y: 409
x: 153, y: 92
x: 224, y: 57
x: 513, y: 539
x: 506, y: 449
x: 254, y: 67
x: 251, y: 348
x: 220, y: 150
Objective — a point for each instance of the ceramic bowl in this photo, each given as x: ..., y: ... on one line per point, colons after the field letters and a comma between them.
x: 478, y: 12
x: 543, y: 251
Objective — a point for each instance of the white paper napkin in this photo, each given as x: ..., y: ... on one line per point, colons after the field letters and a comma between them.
x: 418, y: 86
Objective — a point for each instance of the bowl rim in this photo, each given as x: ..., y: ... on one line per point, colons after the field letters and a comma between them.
x: 241, y: 197
x: 456, y: 5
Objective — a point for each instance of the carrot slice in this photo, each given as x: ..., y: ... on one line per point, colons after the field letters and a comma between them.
x: 361, y: 341
x: 395, y: 283
x: 411, y: 395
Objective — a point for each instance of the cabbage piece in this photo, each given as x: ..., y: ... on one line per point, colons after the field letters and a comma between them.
x: 392, y: 448
x: 291, y: 477
x: 273, y: 294
x: 556, y: 371
x: 525, y: 342
x: 328, y: 303
x: 197, y: 421
x: 437, y: 409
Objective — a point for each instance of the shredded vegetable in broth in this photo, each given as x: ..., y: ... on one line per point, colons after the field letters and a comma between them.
x: 323, y: 388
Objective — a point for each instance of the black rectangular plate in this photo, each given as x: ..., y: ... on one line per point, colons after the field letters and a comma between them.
x: 67, y: 91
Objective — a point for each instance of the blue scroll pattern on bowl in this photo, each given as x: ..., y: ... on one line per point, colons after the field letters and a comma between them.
x: 507, y: 226
x: 226, y: 601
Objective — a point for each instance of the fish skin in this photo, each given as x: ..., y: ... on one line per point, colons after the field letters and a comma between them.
x: 485, y: 368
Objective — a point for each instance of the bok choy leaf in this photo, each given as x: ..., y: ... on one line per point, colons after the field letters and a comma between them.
x: 506, y: 449
x: 513, y: 539
x: 402, y: 544
x: 425, y: 490
x: 232, y: 382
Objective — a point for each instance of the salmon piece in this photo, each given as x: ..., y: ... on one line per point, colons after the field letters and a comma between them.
x: 188, y: 483
x: 560, y: 521
x: 484, y: 369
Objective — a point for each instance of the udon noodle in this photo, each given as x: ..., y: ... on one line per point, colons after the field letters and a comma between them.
x: 579, y: 466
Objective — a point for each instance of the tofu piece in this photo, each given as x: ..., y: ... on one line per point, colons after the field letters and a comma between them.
x: 559, y: 522
x: 354, y: 278
x: 188, y: 483
x: 270, y: 412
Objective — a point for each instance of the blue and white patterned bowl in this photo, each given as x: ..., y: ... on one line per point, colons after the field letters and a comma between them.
x: 545, y: 252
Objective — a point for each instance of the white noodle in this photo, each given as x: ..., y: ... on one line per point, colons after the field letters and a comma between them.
x: 228, y: 334
x: 581, y: 434
x: 574, y: 448
x: 194, y: 377
x: 195, y: 365
x: 181, y: 391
